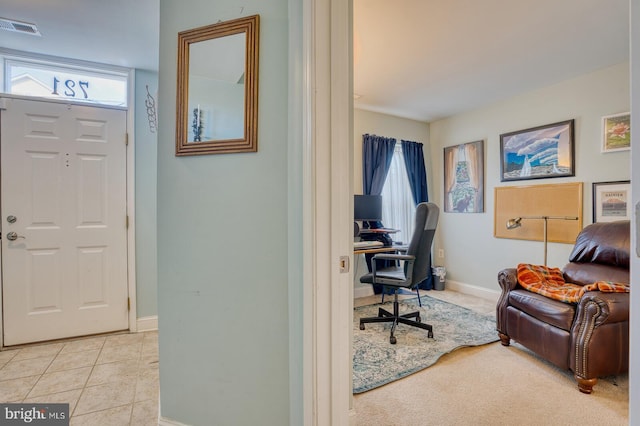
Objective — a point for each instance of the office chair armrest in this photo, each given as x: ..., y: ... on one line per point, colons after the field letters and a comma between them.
x: 408, y: 259
x: 391, y: 256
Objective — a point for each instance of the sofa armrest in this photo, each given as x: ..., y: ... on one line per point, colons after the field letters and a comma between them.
x: 601, y: 308
x: 599, y: 336
x: 508, y: 279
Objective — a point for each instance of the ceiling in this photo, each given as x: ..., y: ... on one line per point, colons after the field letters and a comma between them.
x: 116, y: 32
x: 419, y: 59
x: 429, y: 59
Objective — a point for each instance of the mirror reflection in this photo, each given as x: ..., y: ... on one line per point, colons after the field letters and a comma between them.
x: 217, y: 93
x: 216, y: 89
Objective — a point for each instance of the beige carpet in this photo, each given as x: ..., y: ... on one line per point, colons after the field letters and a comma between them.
x: 492, y: 385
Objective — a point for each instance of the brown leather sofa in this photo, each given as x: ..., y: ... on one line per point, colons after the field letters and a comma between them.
x: 590, y: 338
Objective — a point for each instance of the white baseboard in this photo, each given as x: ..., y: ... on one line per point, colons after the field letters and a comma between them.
x: 147, y: 323
x: 163, y: 421
x: 470, y: 289
x: 473, y: 290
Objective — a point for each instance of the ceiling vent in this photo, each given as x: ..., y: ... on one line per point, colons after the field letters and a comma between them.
x: 19, y: 27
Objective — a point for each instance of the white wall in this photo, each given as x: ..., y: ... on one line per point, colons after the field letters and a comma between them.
x: 472, y: 255
x: 222, y: 244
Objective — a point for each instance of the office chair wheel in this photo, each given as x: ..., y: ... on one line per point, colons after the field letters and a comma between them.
x: 361, y: 326
x: 430, y: 335
x: 392, y: 340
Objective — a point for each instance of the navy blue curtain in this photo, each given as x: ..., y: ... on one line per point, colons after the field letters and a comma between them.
x: 414, y: 163
x: 377, y: 152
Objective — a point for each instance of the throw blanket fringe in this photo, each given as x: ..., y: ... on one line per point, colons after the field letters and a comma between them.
x: 550, y: 282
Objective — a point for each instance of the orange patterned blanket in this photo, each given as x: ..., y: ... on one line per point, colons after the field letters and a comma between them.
x: 550, y: 282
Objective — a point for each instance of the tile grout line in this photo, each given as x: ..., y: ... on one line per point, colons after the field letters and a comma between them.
x: 41, y: 374
x: 135, y: 388
x: 88, y: 377
x: 10, y: 359
x: 84, y: 386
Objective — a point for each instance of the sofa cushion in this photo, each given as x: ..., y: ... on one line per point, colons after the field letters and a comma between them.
x: 604, y: 243
x: 547, y: 310
x: 587, y: 273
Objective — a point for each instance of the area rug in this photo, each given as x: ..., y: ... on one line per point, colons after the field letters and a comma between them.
x: 376, y: 362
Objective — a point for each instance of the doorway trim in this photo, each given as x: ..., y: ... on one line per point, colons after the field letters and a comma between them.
x: 131, y: 201
x: 327, y: 211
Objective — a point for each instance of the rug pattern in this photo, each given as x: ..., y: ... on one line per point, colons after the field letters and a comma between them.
x: 376, y: 362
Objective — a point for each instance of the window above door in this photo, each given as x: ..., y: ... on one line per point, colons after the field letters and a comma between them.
x: 56, y: 80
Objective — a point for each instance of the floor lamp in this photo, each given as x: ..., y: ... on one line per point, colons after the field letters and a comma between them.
x: 517, y: 222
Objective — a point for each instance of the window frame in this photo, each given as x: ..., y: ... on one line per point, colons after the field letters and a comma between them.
x: 10, y: 58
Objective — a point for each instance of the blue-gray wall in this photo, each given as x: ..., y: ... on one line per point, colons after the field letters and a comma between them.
x: 146, y: 158
x: 222, y: 244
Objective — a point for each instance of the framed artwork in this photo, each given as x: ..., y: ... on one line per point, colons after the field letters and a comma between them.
x: 616, y: 132
x: 611, y: 201
x: 540, y: 152
x: 464, y: 178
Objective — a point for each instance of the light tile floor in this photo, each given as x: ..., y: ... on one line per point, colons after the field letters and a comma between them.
x: 107, y: 380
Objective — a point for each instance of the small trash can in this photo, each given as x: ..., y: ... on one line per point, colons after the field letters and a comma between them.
x: 439, y: 274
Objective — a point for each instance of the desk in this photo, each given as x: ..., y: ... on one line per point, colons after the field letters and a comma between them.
x: 364, y: 231
x: 378, y: 234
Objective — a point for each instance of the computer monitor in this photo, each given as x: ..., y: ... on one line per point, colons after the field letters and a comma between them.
x: 367, y: 207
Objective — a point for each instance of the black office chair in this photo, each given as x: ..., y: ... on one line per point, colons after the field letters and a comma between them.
x: 415, y: 267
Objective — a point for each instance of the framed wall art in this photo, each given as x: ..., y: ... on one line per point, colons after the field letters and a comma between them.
x: 464, y: 178
x: 616, y: 132
x: 539, y: 152
x: 611, y: 201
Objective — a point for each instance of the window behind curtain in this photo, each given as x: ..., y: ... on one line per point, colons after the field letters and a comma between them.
x: 398, y: 210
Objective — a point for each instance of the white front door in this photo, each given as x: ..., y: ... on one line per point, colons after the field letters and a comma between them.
x: 63, y: 204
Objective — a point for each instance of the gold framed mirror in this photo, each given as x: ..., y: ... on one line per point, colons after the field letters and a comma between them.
x: 217, y: 93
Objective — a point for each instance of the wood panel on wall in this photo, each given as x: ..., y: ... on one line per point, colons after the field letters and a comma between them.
x: 531, y: 203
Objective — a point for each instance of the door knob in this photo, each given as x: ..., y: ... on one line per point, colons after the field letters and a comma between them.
x: 12, y: 236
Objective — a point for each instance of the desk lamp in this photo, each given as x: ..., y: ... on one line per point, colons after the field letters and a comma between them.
x: 517, y: 222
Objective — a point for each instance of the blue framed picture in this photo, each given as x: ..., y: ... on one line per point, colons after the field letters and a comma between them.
x: 537, y: 153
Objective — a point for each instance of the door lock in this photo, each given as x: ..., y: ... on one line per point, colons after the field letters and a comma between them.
x: 344, y: 264
x: 11, y: 219
x: 12, y: 236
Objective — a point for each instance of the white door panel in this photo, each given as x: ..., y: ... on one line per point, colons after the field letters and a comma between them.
x: 64, y: 179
